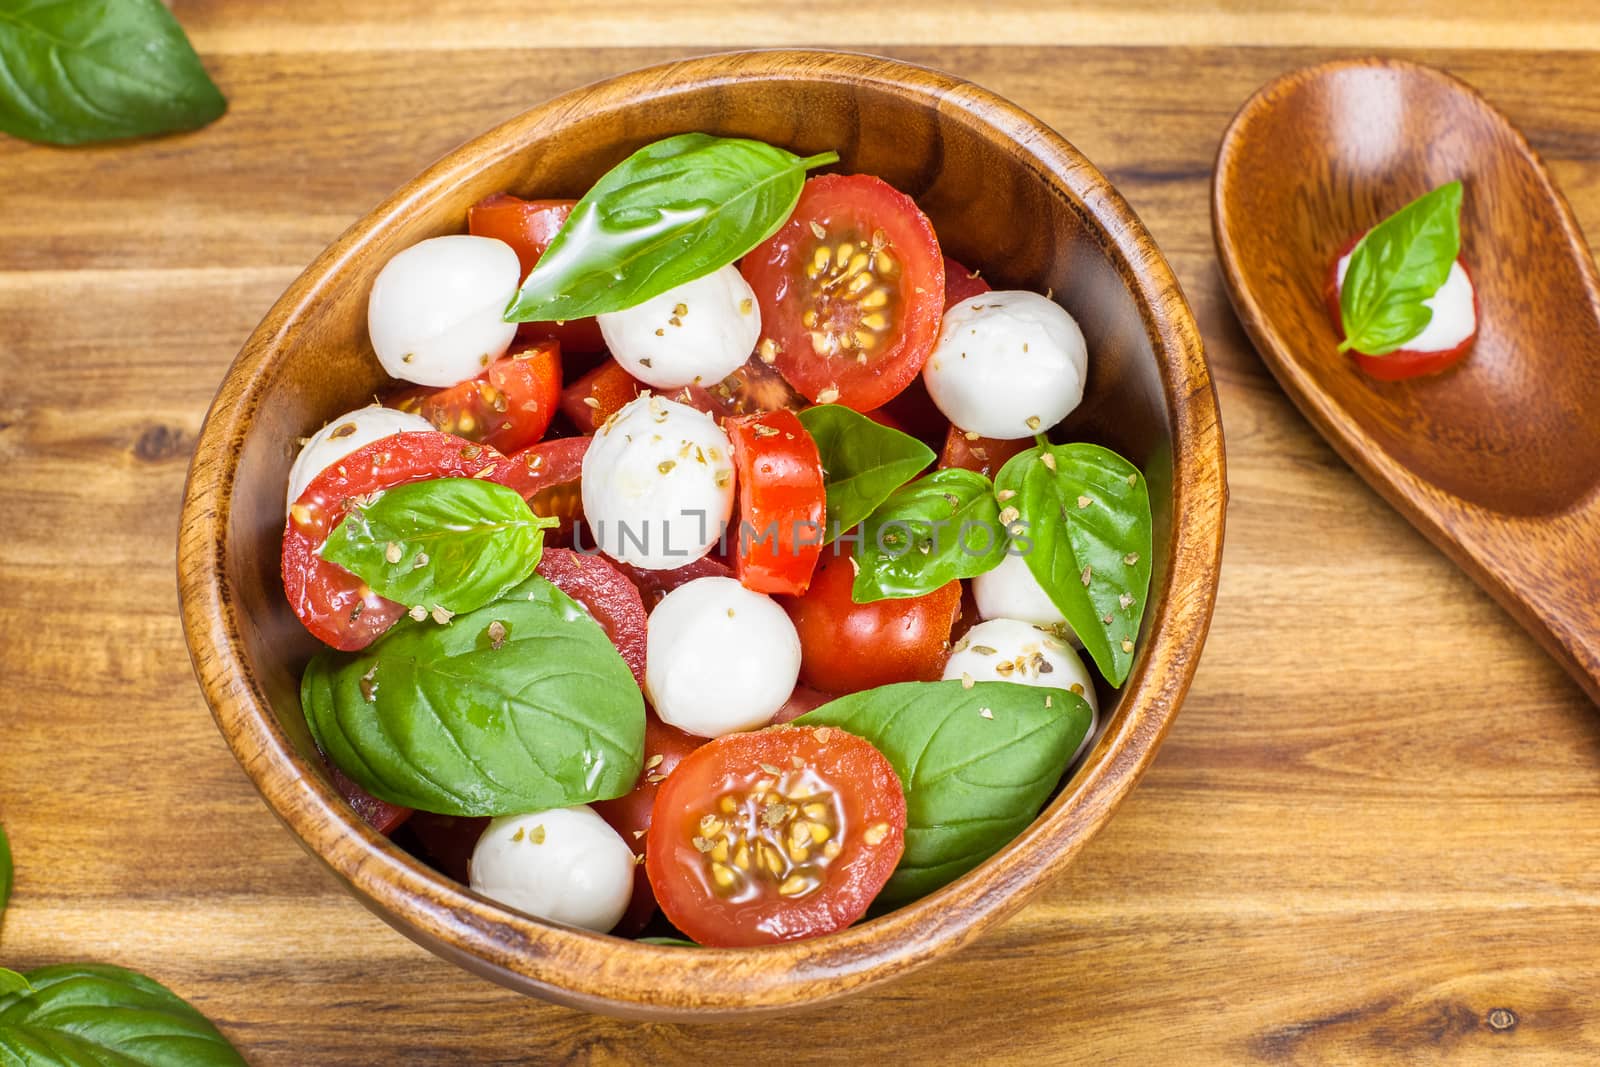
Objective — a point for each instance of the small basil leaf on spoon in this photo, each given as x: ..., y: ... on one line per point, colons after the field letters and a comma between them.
x: 927, y: 534
x: 451, y: 543
x: 1087, y: 521
x: 1397, y: 265
x: 863, y: 461
x: 674, y: 211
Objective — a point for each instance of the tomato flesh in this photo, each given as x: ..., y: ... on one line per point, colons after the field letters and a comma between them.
x: 509, y: 407
x: 529, y: 226
x: 960, y: 283
x: 845, y: 646
x: 653, y: 585
x: 851, y: 291
x: 611, y: 599
x: 337, y: 607
x: 549, y: 476
x: 781, y: 502
x: 784, y: 833
x: 986, y: 455
x: 598, y: 395
x: 803, y: 699
x: 1402, y: 363
x: 381, y: 815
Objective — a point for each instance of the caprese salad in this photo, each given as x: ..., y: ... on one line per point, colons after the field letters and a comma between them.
x: 643, y: 609
x: 1401, y: 297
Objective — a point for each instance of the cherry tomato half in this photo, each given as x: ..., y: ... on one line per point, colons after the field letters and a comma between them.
x: 781, y: 502
x: 845, y: 646
x: 986, y: 455
x: 753, y: 388
x: 529, y: 226
x: 548, y: 476
x: 803, y: 699
x: 960, y: 283
x: 1402, y: 363
x: 598, y: 395
x: 851, y: 291
x: 629, y: 815
x: 613, y: 601
x: 510, y: 407
x: 337, y: 607
x: 739, y: 855
x: 653, y: 585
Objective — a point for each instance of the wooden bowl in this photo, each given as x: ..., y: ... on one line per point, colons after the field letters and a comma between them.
x: 1497, y: 461
x: 1007, y: 193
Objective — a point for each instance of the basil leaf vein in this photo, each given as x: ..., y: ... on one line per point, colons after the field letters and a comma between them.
x: 454, y: 543
x: 1397, y: 265
x: 522, y: 705
x: 74, y: 71
x: 929, y: 533
x: 972, y: 782
x: 1088, y: 541
x: 862, y: 462
x: 674, y: 211
x: 91, y: 1013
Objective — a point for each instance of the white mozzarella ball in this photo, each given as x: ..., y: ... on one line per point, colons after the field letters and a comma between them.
x: 719, y: 657
x: 700, y: 332
x: 1010, y: 650
x: 658, y: 484
x: 1007, y: 365
x: 1010, y: 591
x: 343, y: 436
x: 1455, y: 316
x: 566, y: 865
x: 436, y: 314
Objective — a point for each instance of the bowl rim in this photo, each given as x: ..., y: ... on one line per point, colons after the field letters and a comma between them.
x: 596, y: 971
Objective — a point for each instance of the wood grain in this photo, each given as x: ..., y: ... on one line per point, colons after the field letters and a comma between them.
x: 1375, y: 822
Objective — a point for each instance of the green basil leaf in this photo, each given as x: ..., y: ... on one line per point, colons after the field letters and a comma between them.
x: 675, y: 942
x: 927, y: 534
x: 454, y: 543
x: 522, y: 705
x: 12, y: 982
x: 972, y: 781
x: 96, y: 1015
x: 73, y: 71
x: 1088, y: 541
x: 674, y: 211
x: 5, y: 872
x: 863, y: 462
x: 1397, y: 265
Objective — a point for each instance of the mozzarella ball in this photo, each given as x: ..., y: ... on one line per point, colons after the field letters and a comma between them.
x: 658, y: 484
x: 343, y: 436
x: 700, y: 332
x: 1455, y: 315
x: 1010, y: 650
x: 436, y: 314
x: 1007, y: 365
x: 566, y: 865
x: 719, y: 658
x: 1010, y: 591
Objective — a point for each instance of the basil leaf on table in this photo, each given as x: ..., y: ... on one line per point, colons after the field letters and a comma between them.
x: 95, y: 1014
x: 972, y: 781
x: 862, y: 462
x: 1397, y: 265
x: 453, y: 543
x: 74, y: 71
x: 927, y: 534
x: 521, y: 705
x: 674, y: 211
x: 1087, y: 516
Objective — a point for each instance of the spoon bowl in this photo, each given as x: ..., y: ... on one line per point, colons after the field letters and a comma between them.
x: 1497, y: 461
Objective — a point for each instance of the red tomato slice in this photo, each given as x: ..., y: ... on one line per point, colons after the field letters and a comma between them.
x: 986, y: 455
x: 781, y: 502
x: 337, y: 607
x: 803, y: 699
x: 629, y: 815
x: 653, y: 585
x: 960, y: 283
x: 548, y: 476
x: 529, y: 226
x: 613, y: 601
x: 851, y: 291
x: 510, y: 407
x: 845, y: 646
x: 381, y: 815
x: 753, y: 388
x: 1402, y: 363
x: 738, y: 855
x: 598, y: 395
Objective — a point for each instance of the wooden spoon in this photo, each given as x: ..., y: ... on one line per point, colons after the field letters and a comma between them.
x: 1497, y: 461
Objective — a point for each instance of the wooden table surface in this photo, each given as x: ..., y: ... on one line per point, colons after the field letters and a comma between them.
x: 1372, y: 836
